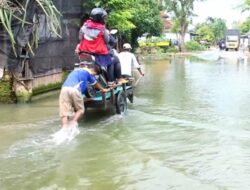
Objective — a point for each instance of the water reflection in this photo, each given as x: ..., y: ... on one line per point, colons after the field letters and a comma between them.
x: 188, y: 127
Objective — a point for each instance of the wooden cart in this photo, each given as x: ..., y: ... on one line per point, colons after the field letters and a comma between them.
x: 116, y: 97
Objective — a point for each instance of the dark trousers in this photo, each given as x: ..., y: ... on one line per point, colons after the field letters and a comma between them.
x: 114, y: 70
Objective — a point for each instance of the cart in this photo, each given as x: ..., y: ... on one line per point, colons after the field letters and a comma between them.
x: 116, y: 97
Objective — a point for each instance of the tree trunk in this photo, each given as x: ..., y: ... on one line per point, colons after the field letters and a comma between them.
x: 183, y: 48
x: 182, y: 35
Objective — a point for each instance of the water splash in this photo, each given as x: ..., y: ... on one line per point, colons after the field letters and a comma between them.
x: 65, y: 134
x: 209, y: 56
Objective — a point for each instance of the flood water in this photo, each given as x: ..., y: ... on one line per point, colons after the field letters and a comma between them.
x: 188, y: 129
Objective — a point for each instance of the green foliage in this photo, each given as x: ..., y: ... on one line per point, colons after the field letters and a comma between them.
x: 147, y: 19
x: 131, y: 17
x: 205, y: 33
x: 52, y: 86
x: 183, y: 13
x: 218, y: 27
x: 46, y: 88
x: 176, y: 26
x: 212, y: 30
x: 245, y: 26
x: 11, y: 11
x: 24, y: 96
x: 120, y: 12
x: 6, y: 93
x: 194, y: 46
x: 154, y: 50
x: 172, y: 49
x: 245, y: 6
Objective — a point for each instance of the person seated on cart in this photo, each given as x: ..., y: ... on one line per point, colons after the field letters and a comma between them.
x: 128, y: 61
x: 71, y: 102
x: 94, y: 40
x: 116, y: 66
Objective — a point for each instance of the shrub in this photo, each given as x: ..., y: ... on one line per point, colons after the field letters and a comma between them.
x: 172, y: 49
x: 194, y: 46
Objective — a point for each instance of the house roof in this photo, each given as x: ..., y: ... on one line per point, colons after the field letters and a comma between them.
x: 167, y: 22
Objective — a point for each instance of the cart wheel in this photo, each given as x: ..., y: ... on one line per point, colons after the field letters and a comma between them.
x: 121, y: 103
x: 90, y: 91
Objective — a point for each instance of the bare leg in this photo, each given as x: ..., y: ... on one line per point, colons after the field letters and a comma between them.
x: 64, y: 121
x: 78, y: 115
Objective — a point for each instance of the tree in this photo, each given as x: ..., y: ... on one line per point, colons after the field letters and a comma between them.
x: 245, y: 26
x: 131, y: 17
x: 219, y: 28
x: 120, y: 12
x: 183, y: 13
x: 147, y: 19
x: 204, y: 33
x: 245, y: 6
x: 212, y: 30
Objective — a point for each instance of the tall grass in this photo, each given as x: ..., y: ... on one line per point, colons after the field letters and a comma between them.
x: 9, y: 9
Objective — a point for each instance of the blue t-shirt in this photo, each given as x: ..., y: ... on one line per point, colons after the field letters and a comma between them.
x: 79, y: 78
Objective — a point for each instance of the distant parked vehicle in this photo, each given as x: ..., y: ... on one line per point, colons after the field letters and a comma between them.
x: 232, y: 39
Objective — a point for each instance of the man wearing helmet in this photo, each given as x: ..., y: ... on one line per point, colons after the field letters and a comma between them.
x: 93, y: 34
x: 95, y: 38
x: 128, y: 61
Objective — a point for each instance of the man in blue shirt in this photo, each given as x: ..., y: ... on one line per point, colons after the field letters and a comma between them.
x: 71, y: 100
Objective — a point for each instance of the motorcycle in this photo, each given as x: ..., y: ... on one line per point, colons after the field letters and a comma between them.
x: 222, y: 45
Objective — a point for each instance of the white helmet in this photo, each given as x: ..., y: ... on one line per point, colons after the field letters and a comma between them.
x: 127, y: 46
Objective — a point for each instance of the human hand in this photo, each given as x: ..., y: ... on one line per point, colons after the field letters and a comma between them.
x: 105, y: 90
x: 76, y: 52
x: 77, y: 49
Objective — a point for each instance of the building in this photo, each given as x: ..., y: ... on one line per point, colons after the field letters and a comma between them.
x: 167, y: 22
x: 29, y: 74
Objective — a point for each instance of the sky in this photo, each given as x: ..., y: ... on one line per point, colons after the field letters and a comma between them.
x: 225, y: 9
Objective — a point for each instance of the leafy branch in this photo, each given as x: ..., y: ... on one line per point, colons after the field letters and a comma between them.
x: 11, y: 10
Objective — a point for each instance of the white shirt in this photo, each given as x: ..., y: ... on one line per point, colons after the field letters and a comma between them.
x: 128, y: 62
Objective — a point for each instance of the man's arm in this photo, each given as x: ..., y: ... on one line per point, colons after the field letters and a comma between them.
x: 94, y: 82
x: 98, y: 86
x: 136, y: 64
x: 77, y: 51
x: 139, y: 69
x: 106, y: 36
x: 81, y: 33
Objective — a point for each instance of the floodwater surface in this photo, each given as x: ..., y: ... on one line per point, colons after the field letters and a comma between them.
x: 188, y: 129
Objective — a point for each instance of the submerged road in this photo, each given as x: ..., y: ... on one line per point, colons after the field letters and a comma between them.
x: 189, y: 128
